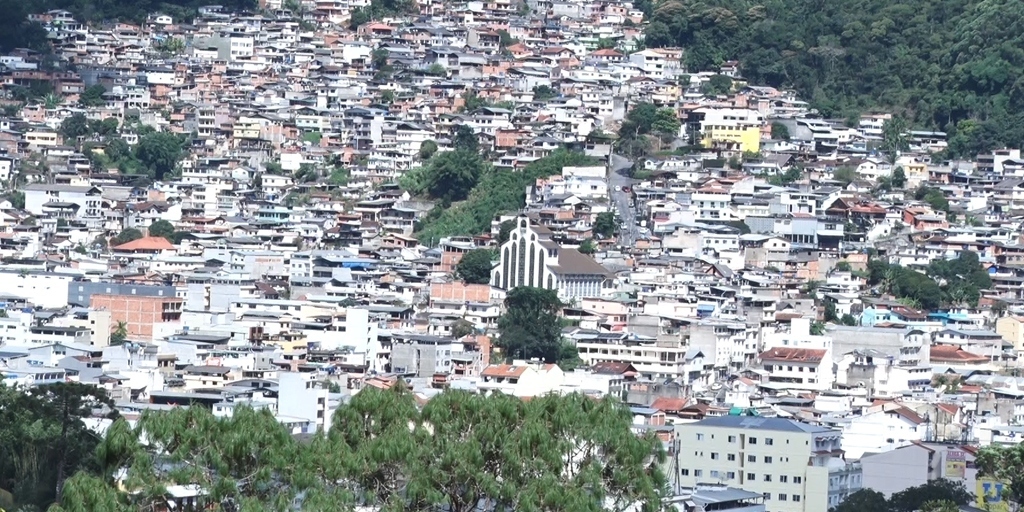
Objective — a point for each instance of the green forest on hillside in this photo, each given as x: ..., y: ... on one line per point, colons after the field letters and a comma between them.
x: 954, y: 65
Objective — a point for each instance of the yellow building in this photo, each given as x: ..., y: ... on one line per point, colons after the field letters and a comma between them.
x: 1011, y: 328
x: 737, y: 138
x: 733, y: 129
x: 246, y: 128
x: 916, y: 173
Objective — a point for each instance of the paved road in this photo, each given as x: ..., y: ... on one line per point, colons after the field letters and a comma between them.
x: 618, y: 178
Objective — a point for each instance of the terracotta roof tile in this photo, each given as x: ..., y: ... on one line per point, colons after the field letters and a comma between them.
x: 799, y: 355
x: 148, y: 243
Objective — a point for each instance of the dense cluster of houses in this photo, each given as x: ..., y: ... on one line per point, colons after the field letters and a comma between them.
x: 732, y: 309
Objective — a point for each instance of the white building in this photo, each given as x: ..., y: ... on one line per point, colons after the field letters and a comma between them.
x: 531, y: 258
x: 520, y: 379
x: 880, y: 428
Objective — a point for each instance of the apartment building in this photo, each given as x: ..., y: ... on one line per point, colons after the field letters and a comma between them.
x: 797, y: 467
x: 145, y: 317
x: 733, y: 129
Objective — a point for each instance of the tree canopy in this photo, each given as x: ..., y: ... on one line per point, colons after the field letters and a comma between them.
x: 159, y: 152
x: 530, y: 327
x: 934, y: 496
x: 556, y: 452
x: 956, y: 281
x: 43, y: 439
x: 162, y: 228
x: 604, y: 224
x: 125, y: 236
x: 495, y: 191
x: 1004, y: 463
x: 953, y: 65
x: 475, y: 266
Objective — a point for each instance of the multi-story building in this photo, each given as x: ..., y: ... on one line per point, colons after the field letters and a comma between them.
x: 733, y: 129
x: 144, y: 316
x: 788, y: 462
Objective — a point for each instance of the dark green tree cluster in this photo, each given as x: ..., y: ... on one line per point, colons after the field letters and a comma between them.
x: 956, y: 281
x: 449, y: 176
x: 646, y: 122
x: 934, y: 496
x: 79, y: 126
x: 954, y: 65
x: 716, y: 85
x: 933, y: 196
x: 43, y: 439
x: 531, y: 328
x: 962, y: 279
x: 459, y: 451
x: 544, y: 93
x: 791, y: 175
x: 125, y: 236
x: 475, y: 266
x: 16, y: 31
x: 92, y: 96
x: 155, y: 156
x: 379, y: 9
x: 494, y: 191
x: 504, y: 230
x: 605, y: 225
x: 1005, y: 463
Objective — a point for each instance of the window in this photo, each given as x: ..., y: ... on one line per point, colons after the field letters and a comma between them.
x: 731, y: 457
x: 782, y: 497
x: 698, y: 473
x: 796, y: 497
x: 751, y: 458
x: 714, y: 474
x: 714, y: 455
x: 767, y: 477
x: 684, y: 472
x: 730, y: 475
x: 752, y: 440
x: 798, y: 480
x: 767, y: 459
x: 700, y: 437
x: 767, y: 496
x: 768, y: 441
x: 751, y: 477
x: 783, y: 478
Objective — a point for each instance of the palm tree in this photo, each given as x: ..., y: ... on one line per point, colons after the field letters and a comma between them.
x: 52, y: 100
x: 120, y: 333
x: 889, y: 280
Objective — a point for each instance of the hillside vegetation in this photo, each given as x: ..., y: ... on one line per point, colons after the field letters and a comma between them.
x: 955, y: 65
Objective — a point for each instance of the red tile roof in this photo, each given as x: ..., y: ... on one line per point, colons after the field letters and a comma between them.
x: 954, y: 354
x: 503, y: 370
x: 148, y: 243
x: 797, y: 355
x: 665, y: 404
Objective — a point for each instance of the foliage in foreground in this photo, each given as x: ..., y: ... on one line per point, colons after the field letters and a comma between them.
x: 460, y: 450
x: 934, y: 496
x: 1006, y: 464
x: 43, y: 439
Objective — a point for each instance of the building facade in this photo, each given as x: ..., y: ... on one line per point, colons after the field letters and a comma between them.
x: 531, y: 258
x: 788, y: 462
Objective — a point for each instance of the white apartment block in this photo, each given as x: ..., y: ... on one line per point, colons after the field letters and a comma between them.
x: 788, y: 462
